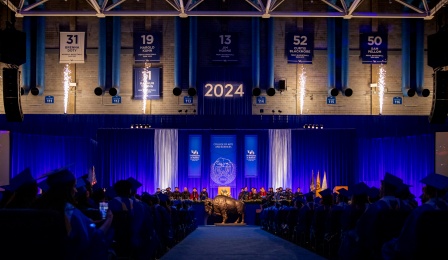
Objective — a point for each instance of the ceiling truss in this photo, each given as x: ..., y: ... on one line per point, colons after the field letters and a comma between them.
x: 346, y: 9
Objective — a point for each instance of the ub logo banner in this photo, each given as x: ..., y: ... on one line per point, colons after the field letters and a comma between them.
x: 251, y: 153
x: 223, y: 158
x: 194, y: 153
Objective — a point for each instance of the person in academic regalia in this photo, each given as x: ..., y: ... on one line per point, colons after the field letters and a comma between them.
x: 194, y: 196
x: 84, y: 240
x: 204, y: 194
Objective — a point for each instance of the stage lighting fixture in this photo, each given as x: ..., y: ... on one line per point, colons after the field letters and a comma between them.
x: 321, y: 126
x: 132, y: 126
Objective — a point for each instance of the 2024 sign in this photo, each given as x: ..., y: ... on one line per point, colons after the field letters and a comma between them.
x: 223, y: 90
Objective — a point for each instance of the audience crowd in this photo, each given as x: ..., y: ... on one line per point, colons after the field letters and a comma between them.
x: 360, y: 222
x: 365, y: 222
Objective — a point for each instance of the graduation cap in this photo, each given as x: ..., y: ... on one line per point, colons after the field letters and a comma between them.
x: 21, y: 179
x: 436, y: 180
x: 360, y: 189
x: 326, y: 192
x: 60, y: 176
x: 344, y: 192
x: 392, y: 180
x: 135, y: 183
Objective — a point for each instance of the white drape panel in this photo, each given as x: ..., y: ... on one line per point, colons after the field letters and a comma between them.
x: 166, y: 158
x: 280, y: 158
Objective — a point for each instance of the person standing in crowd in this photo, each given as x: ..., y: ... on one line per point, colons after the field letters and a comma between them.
x: 84, y: 240
x: 204, y: 194
x: 194, y: 196
x: 185, y: 194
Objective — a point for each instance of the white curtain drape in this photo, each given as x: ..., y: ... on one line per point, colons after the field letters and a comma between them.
x: 280, y: 158
x: 166, y: 158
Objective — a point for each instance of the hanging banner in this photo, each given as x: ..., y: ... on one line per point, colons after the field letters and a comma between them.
x: 373, y: 47
x: 152, y: 77
x: 225, y: 47
x: 71, y: 47
x: 250, y: 160
x: 195, y: 152
x: 147, y: 47
x: 299, y: 48
x: 223, y: 160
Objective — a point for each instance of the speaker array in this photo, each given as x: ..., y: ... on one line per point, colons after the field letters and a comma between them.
x: 11, y: 95
x: 439, y: 108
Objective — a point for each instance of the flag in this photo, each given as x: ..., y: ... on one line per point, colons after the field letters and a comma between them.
x: 312, y: 188
x: 324, y: 181
x: 92, y: 176
x: 318, y: 182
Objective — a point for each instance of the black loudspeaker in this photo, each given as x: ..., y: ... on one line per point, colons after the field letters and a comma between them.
x: 11, y: 95
x: 439, y: 108
x: 437, y: 54
x: 282, y: 85
x: 12, y: 47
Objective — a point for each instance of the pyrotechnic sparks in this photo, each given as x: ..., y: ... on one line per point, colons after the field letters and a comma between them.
x: 302, y: 83
x: 381, y: 86
x: 67, y: 79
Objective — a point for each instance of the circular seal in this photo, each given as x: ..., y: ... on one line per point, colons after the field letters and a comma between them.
x: 223, y: 171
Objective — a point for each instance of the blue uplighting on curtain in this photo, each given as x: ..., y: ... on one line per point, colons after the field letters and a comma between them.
x: 124, y: 153
x: 409, y: 157
x: 405, y: 56
x: 332, y: 151
x: 44, y: 153
x: 331, y: 53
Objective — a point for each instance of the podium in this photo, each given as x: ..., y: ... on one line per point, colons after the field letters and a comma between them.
x: 224, y: 190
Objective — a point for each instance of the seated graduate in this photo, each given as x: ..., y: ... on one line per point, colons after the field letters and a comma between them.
x: 23, y: 188
x: 263, y: 193
x: 405, y: 245
x: 84, y: 239
x: 298, y: 194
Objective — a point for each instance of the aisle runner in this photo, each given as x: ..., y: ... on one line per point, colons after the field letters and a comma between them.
x: 210, y: 242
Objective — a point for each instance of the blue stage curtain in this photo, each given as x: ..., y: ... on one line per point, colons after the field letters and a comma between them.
x: 409, y: 157
x: 44, y: 153
x: 333, y: 151
x: 124, y: 153
x: 166, y: 157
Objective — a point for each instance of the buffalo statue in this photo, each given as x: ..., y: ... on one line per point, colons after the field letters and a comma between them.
x: 222, y: 205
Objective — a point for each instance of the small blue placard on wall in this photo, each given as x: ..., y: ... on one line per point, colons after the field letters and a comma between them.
x: 331, y: 100
x: 261, y: 100
x: 397, y: 101
x: 116, y: 100
x: 49, y: 100
x: 188, y: 100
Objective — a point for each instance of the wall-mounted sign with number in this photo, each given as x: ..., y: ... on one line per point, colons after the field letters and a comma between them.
x: 373, y: 48
x: 223, y: 90
x: 225, y: 47
x: 116, y: 100
x: 188, y: 100
x: 147, y: 47
x: 299, y: 48
x: 397, y: 101
x: 261, y: 100
x: 49, y: 100
x: 147, y: 80
x: 331, y: 100
x: 71, y: 47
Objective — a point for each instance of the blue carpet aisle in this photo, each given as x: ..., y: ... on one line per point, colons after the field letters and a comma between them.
x: 228, y: 242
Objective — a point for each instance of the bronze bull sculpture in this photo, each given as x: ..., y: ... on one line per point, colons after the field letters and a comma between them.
x: 223, y: 205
